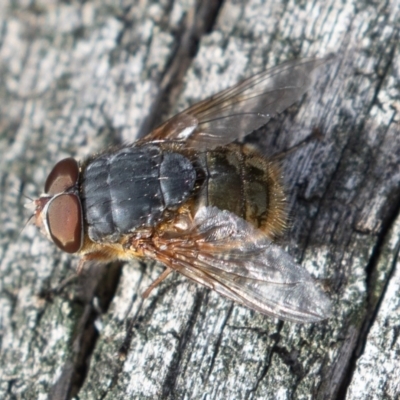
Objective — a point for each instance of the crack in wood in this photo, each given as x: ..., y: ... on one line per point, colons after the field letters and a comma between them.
x: 100, y: 282
x: 197, y: 23
x: 168, y: 387
x: 219, y: 340
x: 267, y: 360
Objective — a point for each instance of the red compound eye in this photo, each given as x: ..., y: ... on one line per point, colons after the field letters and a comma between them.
x: 63, y: 176
x: 64, y: 220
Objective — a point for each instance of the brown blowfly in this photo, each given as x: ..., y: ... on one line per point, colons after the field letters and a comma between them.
x: 190, y: 198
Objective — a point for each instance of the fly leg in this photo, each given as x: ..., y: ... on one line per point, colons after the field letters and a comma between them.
x: 314, y: 135
x: 48, y: 294
x: 81, y: 265
x: 146, y: 293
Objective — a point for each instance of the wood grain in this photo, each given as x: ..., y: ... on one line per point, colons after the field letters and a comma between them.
x: 77, y: 77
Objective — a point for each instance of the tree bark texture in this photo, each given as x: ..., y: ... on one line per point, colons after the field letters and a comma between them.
x: 76, y: 77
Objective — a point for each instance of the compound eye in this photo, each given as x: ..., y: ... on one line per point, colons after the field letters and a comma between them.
x: 63, y: 176
x: 64, y: 221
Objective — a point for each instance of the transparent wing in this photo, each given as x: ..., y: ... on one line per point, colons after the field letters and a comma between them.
x: 230, y: 256
x: 239, y: 110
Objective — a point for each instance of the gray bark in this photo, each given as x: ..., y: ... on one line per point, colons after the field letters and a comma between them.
x: 77, y: 77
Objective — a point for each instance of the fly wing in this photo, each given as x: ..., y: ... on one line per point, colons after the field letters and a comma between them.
x: 230, y: 256
x: 239, y: 110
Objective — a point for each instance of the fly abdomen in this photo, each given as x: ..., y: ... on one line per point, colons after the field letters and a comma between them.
x: 240, y: 180
x: 131, y: 188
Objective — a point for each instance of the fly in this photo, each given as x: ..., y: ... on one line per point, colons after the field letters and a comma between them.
x: 190, y: 198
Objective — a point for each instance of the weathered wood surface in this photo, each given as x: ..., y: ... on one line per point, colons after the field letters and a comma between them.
x: 76, y: 77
